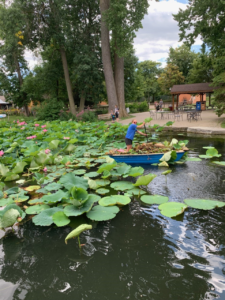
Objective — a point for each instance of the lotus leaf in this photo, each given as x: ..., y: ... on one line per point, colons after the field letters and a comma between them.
x: 135, y: 191
x: 145, y: 180
x: 102, y: 182
x: 101, y: 213
x: 204, y: 203
x: 70, y: 148
x: 44, y: 218
x: 154, y: 199
x: 208, y: 147
x: 92, y: 174
x: 19, y: 167
x: 137, y: 171
x: 42, y: 191
x: 32, y: 188
x: 212, y: 152
x: 123, y: 169
x: 220, y: 163
x: 106, y: 167
x: 12, y: 190
x: 122, y: 185
x: 92, y: 184
x: 205, y: 156
x: 173, y: 142
x: 53, y: 198
x: 53, y: 144
x: 79, y: 196
x: 60, y: 219
x: 102, y: 191
x: 53, y: 187
x: 193, y: 159
x: 172, y: 209
x: 3, y: 170
x: 94, y: 197
x: 36, y: 209
x: 106, y: 174
x: 35, y: 201
x: 79, y: 172
x: 2, y: 185
x: 75, y: 211
x: 12, y: 177
x: 114, y: 200
x: 7, y: 201
x: 166, y: 172
x: 76, y: 232
x: 163, y: 164
x: 69, y: 180
x: 9, y: 218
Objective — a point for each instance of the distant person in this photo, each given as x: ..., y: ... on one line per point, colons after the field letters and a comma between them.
x: 161, y: 103
x: 117, y: 112
x: 131, y: 132
x: 113, y: 116
x: 157, y: 108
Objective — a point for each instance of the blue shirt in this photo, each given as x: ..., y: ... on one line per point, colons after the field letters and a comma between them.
x: 131, y: 131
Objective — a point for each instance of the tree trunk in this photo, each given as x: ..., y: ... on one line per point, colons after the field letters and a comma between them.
x: 106, y: 58
x: 82, y: 102
x: 119, y: 82
x: 68, y: 82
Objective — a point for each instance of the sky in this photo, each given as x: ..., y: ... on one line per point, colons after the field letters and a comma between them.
x: 160, y: 31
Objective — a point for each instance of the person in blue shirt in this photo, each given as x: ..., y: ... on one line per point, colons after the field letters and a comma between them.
x: 131, y: 132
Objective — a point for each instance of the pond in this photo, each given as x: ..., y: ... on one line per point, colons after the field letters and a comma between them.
x: 138, y: 255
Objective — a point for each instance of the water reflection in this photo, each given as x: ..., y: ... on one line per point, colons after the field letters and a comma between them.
x: 138, y: 255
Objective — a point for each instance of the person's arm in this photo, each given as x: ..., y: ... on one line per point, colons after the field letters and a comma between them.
x: 140, y: 126
x: 141, y: 133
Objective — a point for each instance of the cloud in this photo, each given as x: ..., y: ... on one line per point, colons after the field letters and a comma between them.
x: 32, y: 59
x: 160, y: 31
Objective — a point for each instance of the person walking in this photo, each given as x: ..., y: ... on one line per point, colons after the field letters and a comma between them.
x: 131, y: 132
x: 117, y: 112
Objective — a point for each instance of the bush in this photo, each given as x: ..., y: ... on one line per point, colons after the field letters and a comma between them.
x: 50, y: 110
x: 138, y: 107
x: 143, y: 106
x: 89, y: 116
x: 66, y: 116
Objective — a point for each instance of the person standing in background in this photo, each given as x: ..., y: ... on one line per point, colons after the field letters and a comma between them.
x: 116, y: 112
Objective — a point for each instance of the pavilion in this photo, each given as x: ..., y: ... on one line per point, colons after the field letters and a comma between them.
x: 194, y: 88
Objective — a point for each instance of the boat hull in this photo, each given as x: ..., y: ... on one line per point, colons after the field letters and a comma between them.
x: 143, y: 158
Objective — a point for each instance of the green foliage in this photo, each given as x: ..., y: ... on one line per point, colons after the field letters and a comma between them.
x: 114, y: 200
x: 138, y: 107
x: 50, y: 110
x: 89, y: 117
x: 76, y: 232
x: 172, y: 209
x: 204, y: 204
x: 155, y: 199
x: 100, y: 213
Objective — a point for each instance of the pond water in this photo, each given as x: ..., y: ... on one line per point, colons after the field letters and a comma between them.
x: 138, y: 255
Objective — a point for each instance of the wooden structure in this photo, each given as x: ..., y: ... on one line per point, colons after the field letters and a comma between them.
x: 194, y: 88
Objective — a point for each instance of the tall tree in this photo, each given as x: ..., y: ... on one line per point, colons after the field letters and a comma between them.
x: 170, y: 77
x: 206, y: 18
x: 183, y: 58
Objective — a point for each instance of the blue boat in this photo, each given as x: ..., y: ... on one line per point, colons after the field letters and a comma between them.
x: 143, y: 158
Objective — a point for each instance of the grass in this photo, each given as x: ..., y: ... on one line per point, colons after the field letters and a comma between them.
x: 223, y: 124
x: 10, y: 119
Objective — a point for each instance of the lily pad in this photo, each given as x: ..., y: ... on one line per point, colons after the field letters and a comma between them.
x: 220, y: 163
x: 123, y: 169
x: 136, y: 192
x: 122, y: 185
x: 45, y: 217
x: 204, y: 204
x: 79, y: 196
x: 69, y: 180
x: 53, y: 198
x: 76, y: 232
x: 6, y: 201
x: 145, y: 180
x: 60, y: 219
x: 94, y: 197
x: 114, y: 200
x: 163, y: 164
x: 75, y: 211
x: 102, y: 182
x: 154, y: 199
x: 101, y: 213
x: 172, y: 209
x: 32, y: 188
x: 107, y: 167
x: 92, y: 174
x: 102, y: 191
x: 166, y: 172
x: 79, y: 172
x: 36, y: 209
x: 53, y: 187
x: 137, y: 171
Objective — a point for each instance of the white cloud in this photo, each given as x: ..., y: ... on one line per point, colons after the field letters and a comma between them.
x: 32, y: 59
x: 160, y: 31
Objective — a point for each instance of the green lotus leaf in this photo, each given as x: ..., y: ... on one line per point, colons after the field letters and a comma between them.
x: 13, y: 190
x: 102, y: 182
x: 166, y: 172
x: 123, y: 169
x: 205, y: 156
x: 7, y: 201
x: 74, y: 211
x: 92, y: 184
x: 44, y: 218
x: 36, y: 209
x: 208, y: 147
x: 106, y: 167
x: 94, y: 197
x: 137, y: 171
x: 42, y: 191
x: 53, y: 187
x: 100, y: 160
x: 106, y: 174
x: 114, y: 200
x: 12, y: 177
x: 32, y: 188
x: 220, y: 163
x: 19, y: 167
x: 53, y: 198
x: 193, y: 159
x: 53, y: 144
x: 102, y: 191
x: 154, y: 199
x: 70, y: 148
x: 101, y: 213
x: 92, y: 174
x: 76, y: 232
x: 163, y: 164
x: 204, y: 204
x: 69, y: 180
x: 2, y: 185
x: 60, y: 219
x: 172, y: 209
x: 35, y: 201
x: 145, y: 180
x: 135, y: 191
x: 166, y: 157
x: 79, y: 196
x: 212, y: 152
x: 79, y: 172
x: 122, y: 185
x: 9, y: 218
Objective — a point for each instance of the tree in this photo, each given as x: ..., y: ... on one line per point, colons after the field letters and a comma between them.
x: 183, y: 58
x: 202, y: 68
x: 150, y: 71
x: 170, y: 77
x: 206, y: 18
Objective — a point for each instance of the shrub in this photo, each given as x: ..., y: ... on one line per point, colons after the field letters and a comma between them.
x: 138, y: 107
x: 89, y: 116
x: 66, y: 116
x: 143, y: 106
x: 50, y: 110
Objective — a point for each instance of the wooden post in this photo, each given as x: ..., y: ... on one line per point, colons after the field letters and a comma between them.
x: 173, y: 102
x: 177, y: 101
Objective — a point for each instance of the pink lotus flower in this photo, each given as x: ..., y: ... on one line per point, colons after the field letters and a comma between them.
x: 45, y: 130
x: 66, y: 138
x: 31, y: 137
x: 17, y: 121
x: 36, y: 125
x: 22, y: 123
x: 45, y: 169
x: 1, y: 153
x: 47, y: 151
x: 43, y: 126
x: 76, y: 130
x: 22, y: 127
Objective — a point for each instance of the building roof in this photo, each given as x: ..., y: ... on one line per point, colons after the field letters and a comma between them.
x: 194, y: 88
x: 2, y: 100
